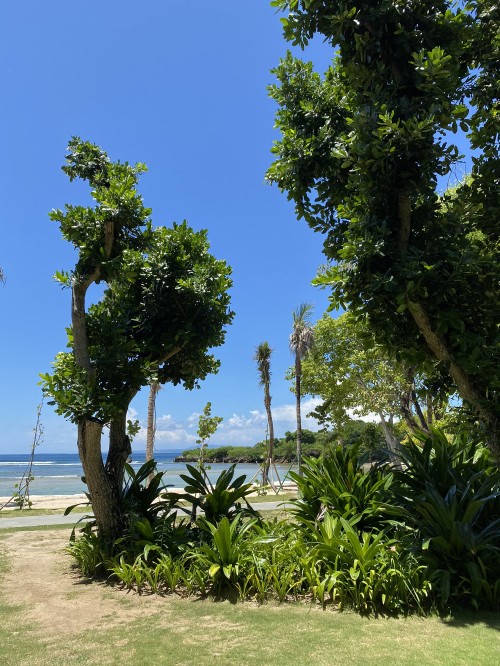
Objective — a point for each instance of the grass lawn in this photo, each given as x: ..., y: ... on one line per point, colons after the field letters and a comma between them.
x: 16, y: 513
x: 69, y: 620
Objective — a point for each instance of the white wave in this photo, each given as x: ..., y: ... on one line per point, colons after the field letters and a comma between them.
x: 25, y: 463
x: 59, y: 476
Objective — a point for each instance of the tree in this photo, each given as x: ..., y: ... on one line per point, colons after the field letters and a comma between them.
x: 360, y: 155
x: 207, y: 426
x: 154, y: 387
x: 301, y: 341
x: 263, y: 357
x: 165, y: 304
x: 353, y: 375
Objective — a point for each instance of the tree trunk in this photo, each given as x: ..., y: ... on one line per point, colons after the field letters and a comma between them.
x: 151, y: 428
x: 423, y: 423
x: 463, y: 382
x: 119, y: 449
x: 430, y: 410
x: 154, y: 387
x: 104, y: 493
x: 405, y: 407
x: 392, y: 443
x: 270, y: 451
x: 298, y: 374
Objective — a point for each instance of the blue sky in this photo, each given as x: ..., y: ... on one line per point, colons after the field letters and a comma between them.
x: 182, y: 87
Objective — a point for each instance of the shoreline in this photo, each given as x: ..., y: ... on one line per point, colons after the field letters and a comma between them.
x: 64, y: 501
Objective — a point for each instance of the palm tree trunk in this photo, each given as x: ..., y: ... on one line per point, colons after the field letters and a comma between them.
x: 151, y: 427
x: 298, y: 374
x: 270, y: 451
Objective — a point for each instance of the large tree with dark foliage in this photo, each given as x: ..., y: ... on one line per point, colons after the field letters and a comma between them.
x: 164, y: 306
x: 360, y: 154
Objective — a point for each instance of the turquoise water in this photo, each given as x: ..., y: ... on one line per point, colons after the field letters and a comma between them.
x: 60, y: 473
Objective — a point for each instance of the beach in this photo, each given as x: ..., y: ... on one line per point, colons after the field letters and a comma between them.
x: 64, y: 501
x: 45, y: 502
x: 57, y: 477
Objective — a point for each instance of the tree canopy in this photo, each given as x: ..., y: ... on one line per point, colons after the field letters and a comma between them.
x: 164, y: 306
x: 352, y: 374
x: 362, y: 152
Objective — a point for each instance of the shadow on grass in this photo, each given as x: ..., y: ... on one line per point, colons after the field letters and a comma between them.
x: 468, y: 618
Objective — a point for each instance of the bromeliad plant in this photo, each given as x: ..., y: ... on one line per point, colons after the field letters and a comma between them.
x: 337, y: 484
x: 222, y: 500
x: 227, y: 550
x: 370, y: 571
x: 451, y: 492
x: 142, y: 498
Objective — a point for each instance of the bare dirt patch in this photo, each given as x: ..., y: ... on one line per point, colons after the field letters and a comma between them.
x: 41, y: 577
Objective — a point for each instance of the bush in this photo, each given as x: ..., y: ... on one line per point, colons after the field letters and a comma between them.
x: 451, y: 490
x: 337, y: 484
x: 376, y: 541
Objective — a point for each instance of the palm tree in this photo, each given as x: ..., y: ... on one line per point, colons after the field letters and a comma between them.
x: 263, y: 357
x: 154, y: 387
x: 301, y: 341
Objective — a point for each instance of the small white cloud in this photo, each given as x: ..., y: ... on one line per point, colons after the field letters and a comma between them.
x: 371, y: 417
x: 236, y: 430
x: 131, y: 414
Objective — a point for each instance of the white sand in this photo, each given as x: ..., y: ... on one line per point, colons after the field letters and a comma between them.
x: 63, y: 501
x: 56, y: 501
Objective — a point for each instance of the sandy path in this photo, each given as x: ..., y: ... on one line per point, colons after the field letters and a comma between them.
x: 42, y: 578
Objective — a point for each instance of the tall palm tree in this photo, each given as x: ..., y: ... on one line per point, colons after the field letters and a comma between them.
x: 301, y: 341
x: 154, y: 387
x: 263, y: 357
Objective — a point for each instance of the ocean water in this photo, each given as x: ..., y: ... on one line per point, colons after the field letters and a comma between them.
x: 60, y: 473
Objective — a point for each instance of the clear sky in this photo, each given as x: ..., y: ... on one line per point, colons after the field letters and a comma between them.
x: 182, y: 87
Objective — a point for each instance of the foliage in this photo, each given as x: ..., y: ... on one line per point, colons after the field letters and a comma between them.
x: 207, y: 426
x: 143, y: 320
x: 353, y: 374
x: 314, y: 444
x: 88, y: 550
x: 336, y: 484
x: 375, y: 541
x: 367, y: 570
x: 143, y: 495
x: 226, y: 552
x: 164, y: 307
x: 451, y: 491
x: 360, y: 154
x: 218, y: 501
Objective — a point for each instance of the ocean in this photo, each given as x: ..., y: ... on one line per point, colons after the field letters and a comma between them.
x: 60, y: 473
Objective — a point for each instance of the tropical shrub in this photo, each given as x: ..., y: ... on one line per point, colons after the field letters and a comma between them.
x: 369, y: 571
x: 336, y: 483
x: 222, y: 500
x: 142, y: 498
x: 377, y: 541
x: 91, y: 555
x: 226, y: 552
x: 451, y: 491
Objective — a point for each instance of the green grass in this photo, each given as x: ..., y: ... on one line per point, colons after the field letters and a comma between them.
x: 271, y: 497
x: 186, y: 632
x: 183, y: 632
x: 16, y: 513
x: 35, y: 528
